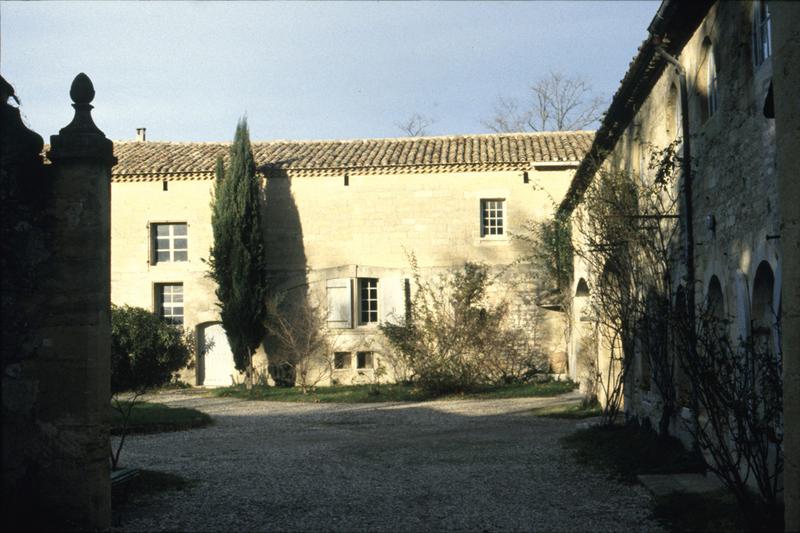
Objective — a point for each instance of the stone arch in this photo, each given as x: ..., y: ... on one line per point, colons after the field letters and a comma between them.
x: 581, y: 326
x: 673, y: 123
x: 763, y: 308
x: 582, y: 288
x: 215, y: 366
x: 706, y: 81
x: 715, y: 298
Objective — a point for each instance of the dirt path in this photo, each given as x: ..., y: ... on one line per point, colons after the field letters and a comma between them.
x: 471, y: 465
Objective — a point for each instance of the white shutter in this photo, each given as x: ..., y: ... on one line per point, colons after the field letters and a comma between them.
x: 392, y: 303
x: 340, y: 303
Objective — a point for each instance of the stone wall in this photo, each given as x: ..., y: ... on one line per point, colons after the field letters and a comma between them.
x: 735, y: 213
x: 56, y: 292
x: 786, y: 67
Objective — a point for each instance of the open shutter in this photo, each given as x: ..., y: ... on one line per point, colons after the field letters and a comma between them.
x: 392, y: 304
x: 340, y: 303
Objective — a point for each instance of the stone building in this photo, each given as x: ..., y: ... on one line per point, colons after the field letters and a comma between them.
x: 729, y: 251
x: 341, y: 219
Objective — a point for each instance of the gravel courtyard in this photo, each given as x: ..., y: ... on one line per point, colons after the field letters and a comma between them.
x: 471, y: 465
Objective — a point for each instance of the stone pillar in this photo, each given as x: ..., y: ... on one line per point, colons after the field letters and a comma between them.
x: 74, y: 360
x: 786, y: 80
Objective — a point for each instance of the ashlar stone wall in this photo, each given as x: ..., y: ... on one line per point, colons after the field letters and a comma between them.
x: 735, y: 214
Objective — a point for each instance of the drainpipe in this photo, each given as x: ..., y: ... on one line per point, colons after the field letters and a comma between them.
x: 687, y: 180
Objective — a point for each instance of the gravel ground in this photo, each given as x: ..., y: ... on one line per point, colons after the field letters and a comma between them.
x: 471, y: 465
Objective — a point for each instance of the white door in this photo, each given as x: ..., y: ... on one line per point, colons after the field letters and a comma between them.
x: 218, y: 366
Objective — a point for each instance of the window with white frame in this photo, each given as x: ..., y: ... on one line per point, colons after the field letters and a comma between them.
x: 169, y: 302
x: 762, y: 32
x: 368, y: 300
x: 170, y: 242
x: 493, y: 217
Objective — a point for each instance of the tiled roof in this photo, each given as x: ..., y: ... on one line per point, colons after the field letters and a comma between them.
x: 155, y: 160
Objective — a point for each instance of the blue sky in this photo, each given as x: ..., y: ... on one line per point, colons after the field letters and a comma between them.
x: 188, y: 70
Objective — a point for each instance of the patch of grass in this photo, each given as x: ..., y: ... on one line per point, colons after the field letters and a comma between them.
x: 389, y: 393
x: 572, y: 411
x: 627, y: 451
x: 147, y: 417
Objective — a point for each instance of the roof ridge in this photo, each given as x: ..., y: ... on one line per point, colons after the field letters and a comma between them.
x: 372, y: 139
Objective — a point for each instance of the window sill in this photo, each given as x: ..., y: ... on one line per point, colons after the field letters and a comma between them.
x: 169, y: 263
x: 494, y: 240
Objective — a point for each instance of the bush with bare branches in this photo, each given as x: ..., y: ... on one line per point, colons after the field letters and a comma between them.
x: 299, y: 340
x: 457, y: 337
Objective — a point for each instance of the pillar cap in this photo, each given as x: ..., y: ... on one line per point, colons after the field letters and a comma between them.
x: 81, y: 138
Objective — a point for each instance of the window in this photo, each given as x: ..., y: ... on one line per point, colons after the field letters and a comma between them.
x: 674, y: 117
x: 706, y: 82
x: 368, y: 300
x: 762, y: 33
x: 341, y: 361
x: 365, y: 301
x: 492, y: 217
x: 364, y: 360
x: 711, y: 82
x: 170, y: 243
x: 169, y: 302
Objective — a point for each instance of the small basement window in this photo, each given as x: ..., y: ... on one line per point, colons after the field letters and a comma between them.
x: 364, y: 360
x: 341, y: 361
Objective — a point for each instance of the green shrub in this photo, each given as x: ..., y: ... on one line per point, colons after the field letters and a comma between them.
x: 456, y: 339
x: 145, y: 350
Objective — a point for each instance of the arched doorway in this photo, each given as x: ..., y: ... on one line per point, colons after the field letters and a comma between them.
x: 763, y: 313
x: 215, y: 362
x: 582, y: 327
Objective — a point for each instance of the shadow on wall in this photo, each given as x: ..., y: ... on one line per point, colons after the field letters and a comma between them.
x: 286, y: 263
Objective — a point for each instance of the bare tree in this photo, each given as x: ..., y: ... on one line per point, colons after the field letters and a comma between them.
x: 302, y: 341
x: 415, y: 125
x: 556, y: 103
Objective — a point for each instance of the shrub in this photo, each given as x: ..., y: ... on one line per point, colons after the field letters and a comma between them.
x: 456, y: 338
x: 145, y: 352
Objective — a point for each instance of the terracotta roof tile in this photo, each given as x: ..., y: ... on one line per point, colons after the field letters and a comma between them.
x: 138, y: 160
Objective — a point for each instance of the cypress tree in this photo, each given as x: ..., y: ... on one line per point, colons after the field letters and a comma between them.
x: 237, y: 262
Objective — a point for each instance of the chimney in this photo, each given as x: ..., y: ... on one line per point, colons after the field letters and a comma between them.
x: 140, y: 134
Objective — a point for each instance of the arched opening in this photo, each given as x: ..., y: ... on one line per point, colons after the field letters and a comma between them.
x: 715, y: 300
x: 763, y: 314
x: 581, y: 330
x: 680, y: 319
x: 673, y: 119
x: 215, y: 367
x: 706, y: 82
x: 654, y: 338
x: 582, y: 288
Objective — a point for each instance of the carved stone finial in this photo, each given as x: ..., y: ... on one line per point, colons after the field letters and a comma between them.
x: 82, y: 90
x: 81, y: 138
